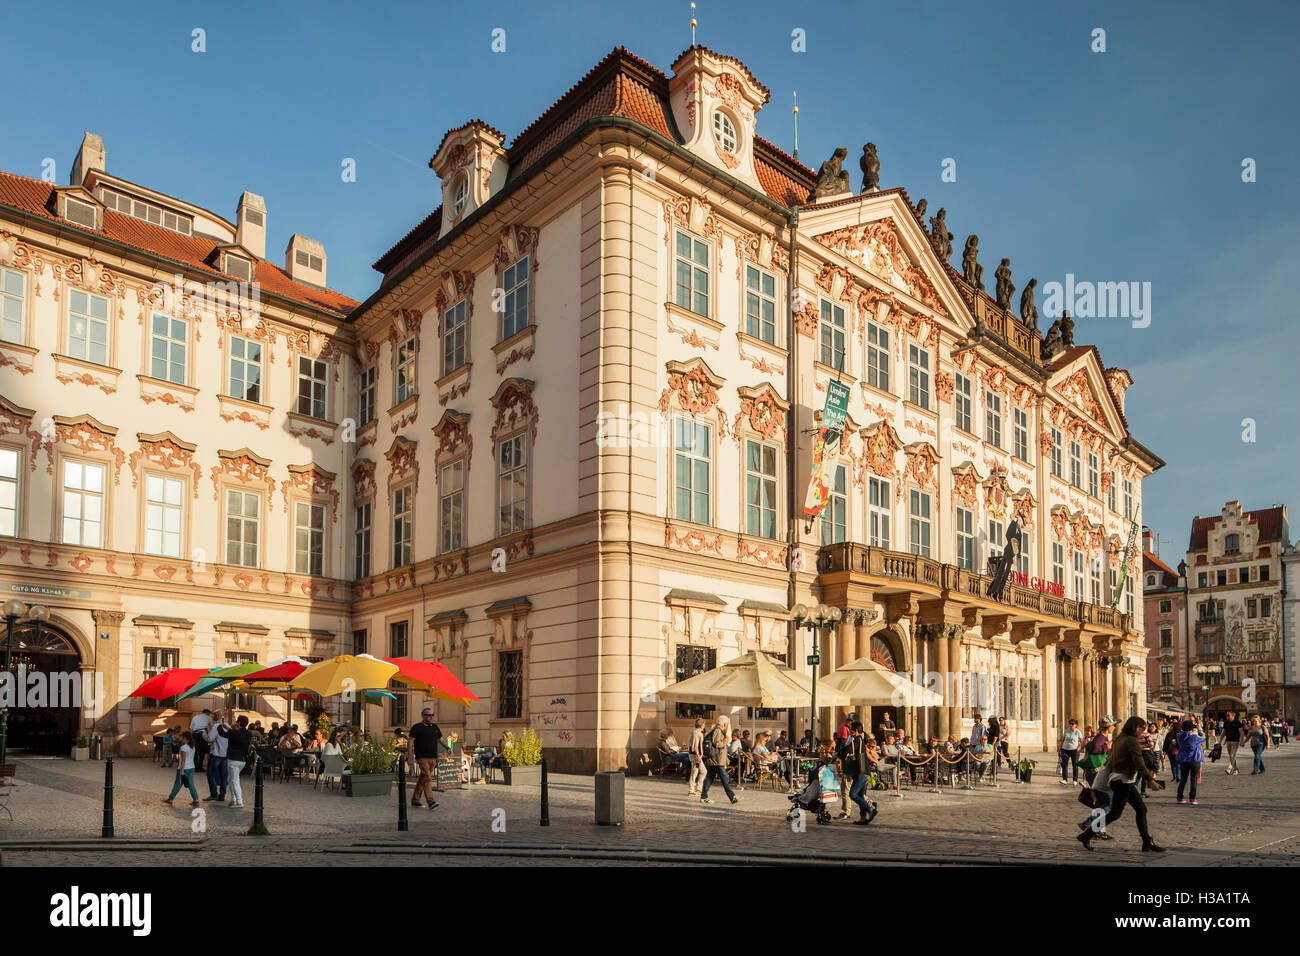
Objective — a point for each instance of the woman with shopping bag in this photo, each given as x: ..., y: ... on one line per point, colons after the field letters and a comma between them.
x: 1120, y: 775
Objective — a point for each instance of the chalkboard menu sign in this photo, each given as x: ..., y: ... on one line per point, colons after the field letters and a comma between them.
x: 449, y: 773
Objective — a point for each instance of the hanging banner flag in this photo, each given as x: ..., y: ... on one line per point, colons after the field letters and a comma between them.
x: 826, y: 448
x: 1123, y: 571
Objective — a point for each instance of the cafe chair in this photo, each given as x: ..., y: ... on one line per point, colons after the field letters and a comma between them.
x: 331, y: 767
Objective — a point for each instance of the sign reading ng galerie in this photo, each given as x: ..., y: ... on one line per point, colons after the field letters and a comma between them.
x: 826, y: 448
x: 1038, y: 584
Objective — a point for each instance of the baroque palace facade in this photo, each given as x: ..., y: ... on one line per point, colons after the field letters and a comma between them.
x: 627, y: 321
x: 171, y: 469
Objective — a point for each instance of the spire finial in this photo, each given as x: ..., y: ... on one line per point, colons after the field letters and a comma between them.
x: 692, y: 23
x: 795, y: 111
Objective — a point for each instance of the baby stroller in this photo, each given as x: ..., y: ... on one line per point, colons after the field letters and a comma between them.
x: 823, y: 789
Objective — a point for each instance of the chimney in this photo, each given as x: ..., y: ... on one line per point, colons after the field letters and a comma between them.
x: 90, y: 156
x: 304, y: 260
x: 250, y: 224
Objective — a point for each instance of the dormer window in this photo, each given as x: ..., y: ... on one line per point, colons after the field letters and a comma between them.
x: 724, y: 131
x: 460, y: 197
x: 82, y: 213
x: 239, y: 267
x: 147, y: 212
x: 1232, y: 544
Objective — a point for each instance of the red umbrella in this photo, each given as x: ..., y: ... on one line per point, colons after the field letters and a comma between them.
x: 433, y: 677
x: 169, y: 683
x: 282, y: 673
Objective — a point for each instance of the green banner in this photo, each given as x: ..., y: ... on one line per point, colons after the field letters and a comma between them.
x: 1123, y: 571
x: 827, y: 447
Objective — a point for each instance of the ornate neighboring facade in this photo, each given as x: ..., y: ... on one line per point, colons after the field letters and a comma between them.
x: 1164, y: 601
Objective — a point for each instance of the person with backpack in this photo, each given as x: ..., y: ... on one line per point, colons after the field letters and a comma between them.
x: 1098, y: 749
x: 857, y: 771
x: 1191, y: 755
x: 715, y: 759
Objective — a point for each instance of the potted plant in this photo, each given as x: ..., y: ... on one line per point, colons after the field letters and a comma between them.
x: 523, y: 760
x: 370, y: 769
x: 1025, y: 769
x: 82, y: 750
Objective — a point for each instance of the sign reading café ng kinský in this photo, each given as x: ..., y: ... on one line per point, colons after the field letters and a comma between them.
x: 1038, y: 584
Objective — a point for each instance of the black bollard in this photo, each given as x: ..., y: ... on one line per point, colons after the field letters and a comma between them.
x: 259, y: 825
x: 402, y: 824
x: 107, y: 830
x: 546, y: 804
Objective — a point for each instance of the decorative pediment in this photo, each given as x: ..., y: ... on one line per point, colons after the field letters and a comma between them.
x: 452, y: 432
x: 402, y: 462
x: 403, y: 324
x: 693, y: 618
x: 447, y: 633
x: 515, y: 408
x: 965, y: 484
x: 510, y: 623
x: 694, y: 215
x: 1115, y: 548
x: 166, y: 451
x: 880, y: 448
x: 922, y: 467
x: 16, y: 420
x: 692, y: 388
x: 761, y: 249
x: 86, y: 434
x: 763, y: 627
x: 762, y: 411
x: 312, y: 480
x: 452, y: 286
x: 514, y: 243
x: 243, y: 467
x: 1024, y: 508
x: 876, y: 247
x: 363, y: 478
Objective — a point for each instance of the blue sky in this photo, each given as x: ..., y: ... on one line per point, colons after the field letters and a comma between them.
x: 1115, y: 166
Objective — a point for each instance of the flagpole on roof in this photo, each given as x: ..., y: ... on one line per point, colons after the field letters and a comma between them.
x: 796, y: 124
x: 692, y: 23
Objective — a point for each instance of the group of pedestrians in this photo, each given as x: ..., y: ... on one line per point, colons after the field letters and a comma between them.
x: 225, y: 750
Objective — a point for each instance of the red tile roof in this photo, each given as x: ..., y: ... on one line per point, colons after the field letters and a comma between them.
x: 1151, y: 563
x: 32, y: 196
x: 1270, y: 521
x: 767, y: 94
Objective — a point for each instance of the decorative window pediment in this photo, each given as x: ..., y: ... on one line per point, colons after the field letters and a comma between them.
x: 693, y: 617
x: 762, y: 412
x: 763, y: 627
x: 314, y: 481
x: 402, y: 462
x: 447, y: 633
x: 922, y: 467
x: 167, y: 451
x: 965, y: 482
x: 880, y: 448
x: 86, y: 434
x: 510, y: 623
x: 515, y: 407
x: 452, y: 432
x: 363, y: 479
x: 244, y: 467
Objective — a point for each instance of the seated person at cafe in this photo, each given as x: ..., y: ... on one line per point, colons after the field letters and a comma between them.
x: 981, y: 757
x: 290, y: 747
x: 745, y: 743
x: 670, y: 751
x: 764, y: 756
x: 782, y: 742
x: 401, y: 742
x: 805, y: 742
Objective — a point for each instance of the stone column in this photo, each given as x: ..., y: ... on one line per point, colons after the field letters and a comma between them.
x: 844, y: 645
x: 1091, y: 713
x: 954, y: 665
x: 940, y: 713
x: 1077, y: 691
x: 825, y: 716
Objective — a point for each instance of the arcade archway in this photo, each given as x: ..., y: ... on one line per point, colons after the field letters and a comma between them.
x: 44, y: 722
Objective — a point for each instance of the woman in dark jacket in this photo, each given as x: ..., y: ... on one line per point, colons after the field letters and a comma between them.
x: 1127, y: 766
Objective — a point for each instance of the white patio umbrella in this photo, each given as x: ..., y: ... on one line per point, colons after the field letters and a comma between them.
x: 865, y: 682
x: 754, y: 680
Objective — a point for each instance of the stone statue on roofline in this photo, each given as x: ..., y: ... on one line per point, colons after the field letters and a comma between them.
x: 940, y: 237
x: 970, y: 267
x: 870, y: 165
x: 832, y: 179
x: 1029, y: 311
x: 1005, y: 290
x: 1052, y: 346
x: 920, y: 209
x: 1067, y: 330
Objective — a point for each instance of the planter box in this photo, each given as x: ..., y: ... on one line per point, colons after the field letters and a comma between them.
x: 523, y: 776
x: 80, y: 753
x: 368, y: 784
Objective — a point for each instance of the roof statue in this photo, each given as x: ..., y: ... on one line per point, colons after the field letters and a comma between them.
x: 870, y: 164
x: 832, y: 180
x: 920, y: 209
x: 971, y: 269
x: 1060, y: 336
x: 1028, y: 311
x: 941, y: 237
x: 1005, y: 290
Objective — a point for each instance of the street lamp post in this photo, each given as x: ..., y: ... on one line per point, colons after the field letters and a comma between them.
x: 819, y: 618
x: 13, y: 611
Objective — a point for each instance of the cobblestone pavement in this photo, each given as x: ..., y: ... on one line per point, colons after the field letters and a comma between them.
x: 1241, y: 820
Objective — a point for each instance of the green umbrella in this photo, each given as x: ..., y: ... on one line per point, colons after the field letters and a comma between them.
x: 379, y: 694
x: 221, y: 675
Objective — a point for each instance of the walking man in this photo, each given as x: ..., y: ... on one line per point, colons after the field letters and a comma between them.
x: 1232, y: 733
x: 696, y: 751
x: 425, y: 737
x: 856, y: 769
x: 238, y: 740
x: 1070, y: 741
x: 216, y: 759
x: 715, y: 759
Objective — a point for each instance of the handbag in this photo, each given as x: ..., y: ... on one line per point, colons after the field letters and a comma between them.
x: 1088, y: 797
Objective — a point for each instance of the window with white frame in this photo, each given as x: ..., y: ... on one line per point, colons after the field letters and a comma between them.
x: 405, y: 380
x: 451, y: 505
x: 993, y: 418
x: 245, y: 378
x: 454, y: 331
x: 1095, y: 581
x: 313, y: 379
x: 88, y: 326
x: 1056, y: 453
x: 1058, y: 563
x: 460, y: 196
x: 918, y: 514
x: 1023, y: 562
x: 1093, y: 476
x: 361, y: 539
x: 1076, y: 464
x: 366, y: 397
x: 692, y: 469
x: 760, y: 304
x: 878, y: 510
x: 691, y: 273
x: 996, y: 542
x: 168, y: 341
x: 1128, y: 499
x: 724, y: 131
x: 918, y: 376
x: 961, y: 403
x: 1112, y: 492
x: 512, y: 484
x: 965, y: 539
x: 164, y: 514
x: 308, y: 538
x: 1078, y: 576
x: 83, y: 504
x: 760, y: 489
x: 1128, y: 595
x: 13, y: 302
x: 835, y: 513
x: 1020, y: 434
x: 514, y: 283
x: 402, y: 526
x: 8, y: 492
x: 243, y: 520
x: 878, y: 356
x: 831, y: 335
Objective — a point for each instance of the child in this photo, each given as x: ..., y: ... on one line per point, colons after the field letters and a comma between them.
x: 185, y: 771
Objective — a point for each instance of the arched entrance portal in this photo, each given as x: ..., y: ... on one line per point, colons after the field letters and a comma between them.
x: 50, y: 727
x: 882, y: 652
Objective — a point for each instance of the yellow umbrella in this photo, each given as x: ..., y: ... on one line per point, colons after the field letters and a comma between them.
x: 754, y: 680
x: 346, y: 673
x: 865, y: 682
